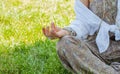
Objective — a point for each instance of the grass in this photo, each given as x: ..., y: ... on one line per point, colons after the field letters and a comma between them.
x: 23, y: 47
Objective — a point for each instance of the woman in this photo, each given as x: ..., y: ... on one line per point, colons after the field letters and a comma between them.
x: 90, y: 44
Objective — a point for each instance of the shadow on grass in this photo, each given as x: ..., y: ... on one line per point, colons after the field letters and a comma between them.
x: 37, y: 58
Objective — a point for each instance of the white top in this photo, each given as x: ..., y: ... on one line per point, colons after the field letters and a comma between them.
x: 87, y: 23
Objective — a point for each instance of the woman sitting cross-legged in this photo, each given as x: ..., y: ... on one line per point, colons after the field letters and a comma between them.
x: 90, y: 44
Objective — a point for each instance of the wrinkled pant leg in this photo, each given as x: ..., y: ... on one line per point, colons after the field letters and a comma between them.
x: 77, y: 57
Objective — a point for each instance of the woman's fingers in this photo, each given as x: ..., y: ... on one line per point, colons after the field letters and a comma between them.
x: 55, y: 34
x: 43, y: 30
x: 51, y: 31
x: 47, y: 31
x: 53, y: 27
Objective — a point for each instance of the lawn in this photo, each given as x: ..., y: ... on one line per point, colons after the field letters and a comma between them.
x: 23, y: 47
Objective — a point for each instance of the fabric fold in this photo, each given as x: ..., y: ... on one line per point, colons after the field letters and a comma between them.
x: 117, y: 32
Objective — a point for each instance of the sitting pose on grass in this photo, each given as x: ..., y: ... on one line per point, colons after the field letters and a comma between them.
x: 91, y: 43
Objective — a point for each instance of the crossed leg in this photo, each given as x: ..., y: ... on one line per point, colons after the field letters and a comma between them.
x: 76, y: 57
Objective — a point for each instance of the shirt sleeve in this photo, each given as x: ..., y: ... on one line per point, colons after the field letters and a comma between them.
x: 117, y: 32
x: 118, y: 15
x: 86, y: 22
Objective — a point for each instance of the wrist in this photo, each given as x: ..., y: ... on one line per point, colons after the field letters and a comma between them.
x: 62, y: 33
x: 70, y: 31
x: 65, y: 32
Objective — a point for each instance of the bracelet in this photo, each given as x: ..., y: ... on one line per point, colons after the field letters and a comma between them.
x: 70, y: 30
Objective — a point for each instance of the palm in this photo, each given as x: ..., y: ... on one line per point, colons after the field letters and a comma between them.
x: 52, y: 31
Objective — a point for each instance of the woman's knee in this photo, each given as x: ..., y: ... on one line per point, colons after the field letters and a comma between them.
x: 66, y: 41
x: 62, y: 42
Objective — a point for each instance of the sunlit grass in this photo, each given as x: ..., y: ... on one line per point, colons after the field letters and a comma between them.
x: 23, y: 47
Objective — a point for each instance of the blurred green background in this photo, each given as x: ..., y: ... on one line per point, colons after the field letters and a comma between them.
x: 23, y: 47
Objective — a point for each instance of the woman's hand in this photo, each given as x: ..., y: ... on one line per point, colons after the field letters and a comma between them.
x: 54, y: 32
